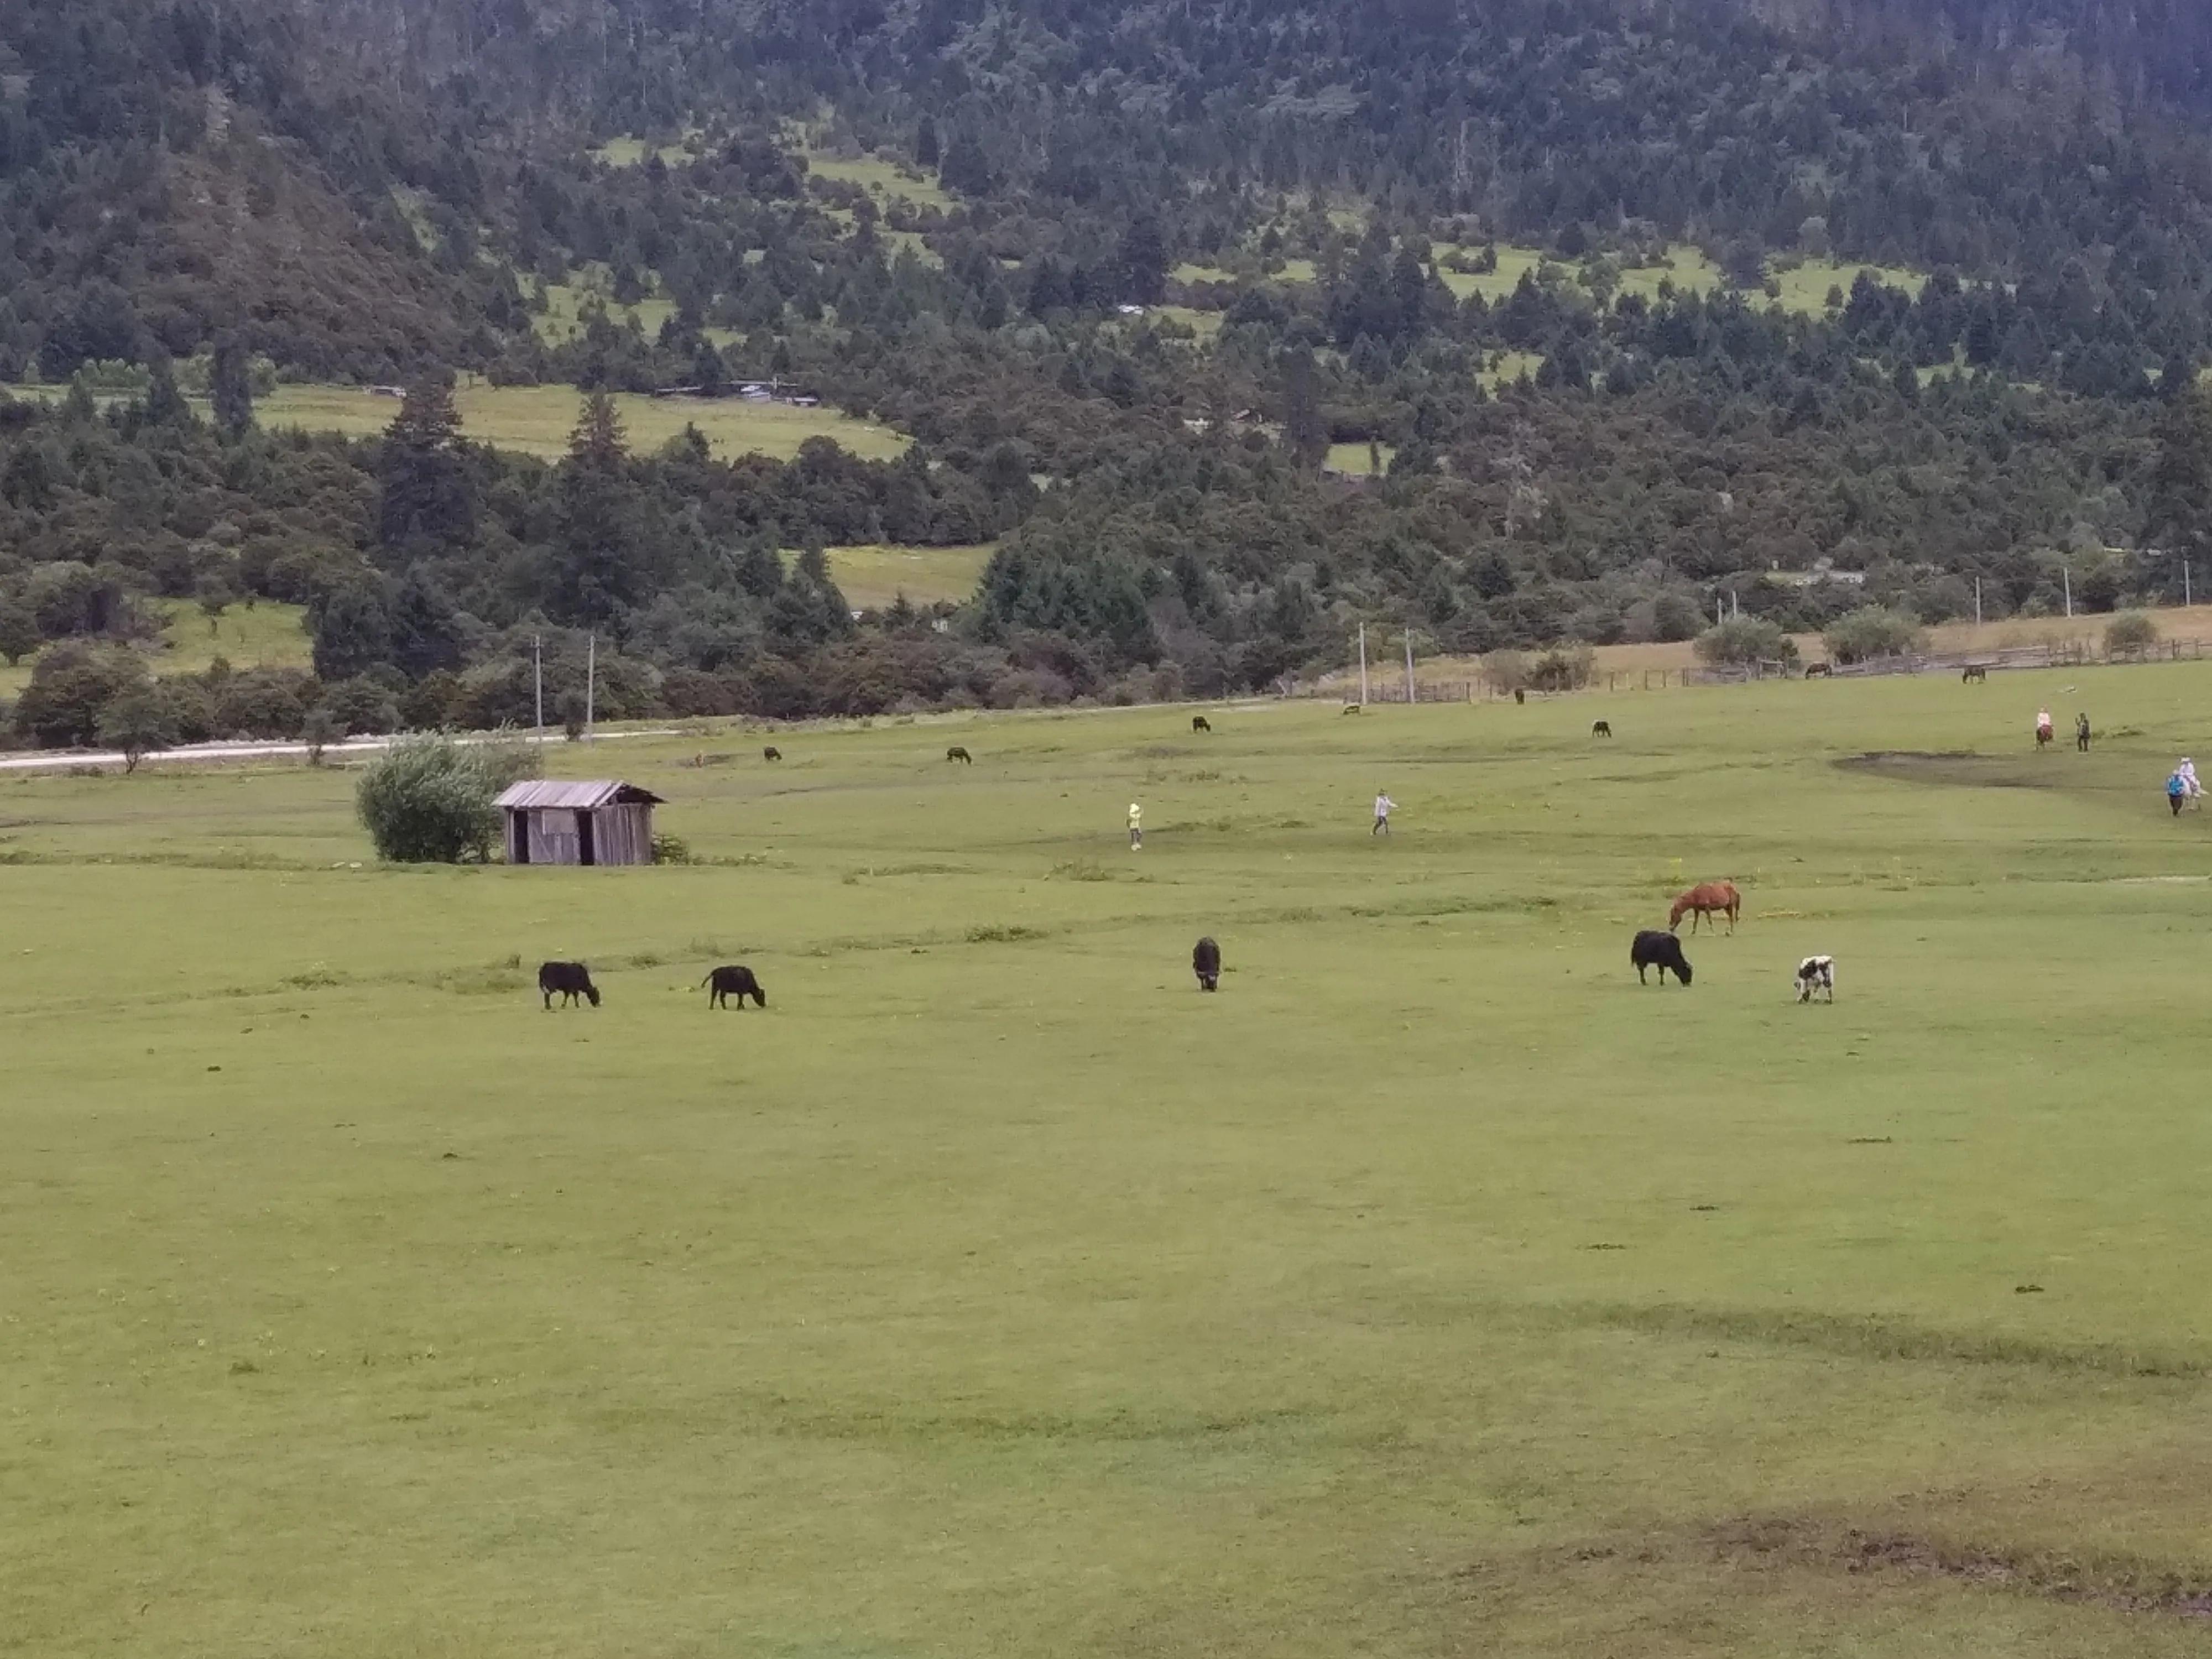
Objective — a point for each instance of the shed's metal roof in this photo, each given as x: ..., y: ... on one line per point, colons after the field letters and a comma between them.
x: 579, y: 796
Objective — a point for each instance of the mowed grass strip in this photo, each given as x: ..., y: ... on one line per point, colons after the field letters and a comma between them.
x: 1431, y: 1289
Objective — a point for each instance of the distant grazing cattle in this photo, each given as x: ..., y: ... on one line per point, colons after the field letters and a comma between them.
x: 1816, y: 973
x: 1818, y: 670
x: 570, y: 979
x: 771, y: 754
x: 1654, y: 949
x: 1351, y: 708
x: 1974, y: 674
x: 735, y: 981
x: 1205, y: 963
x: 1199, y: 723
x: 1601, y: 729
x: 957, y: 753
x: 1704, y: 902
x: 1519, y: 695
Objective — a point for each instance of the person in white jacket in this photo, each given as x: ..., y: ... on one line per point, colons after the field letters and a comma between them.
x: 1382, y: 805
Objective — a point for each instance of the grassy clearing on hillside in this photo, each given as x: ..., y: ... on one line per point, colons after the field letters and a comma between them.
x: 1507, y: 366
x: 1432, y: 1289
x: 1803, y: 289
x: 885, y: 180
x: 537, y: 420
x: 873, y: 576
x: 1355, y: 457
x: 265, y: 634
x: 562, y: 319
x: 630, y: 152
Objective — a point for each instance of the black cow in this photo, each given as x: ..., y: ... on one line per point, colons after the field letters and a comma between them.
x: 1818, y: 670
x: 1199, y: 723
x: 1974, y: 675
x: 957, y: 753
x: 771, y: 754
x: 1520, y: 695
x: 571, y: 979
x: 1601, y: 729
x: 1657, y: 948
x: 1205, y: 963
x: 736, y: 982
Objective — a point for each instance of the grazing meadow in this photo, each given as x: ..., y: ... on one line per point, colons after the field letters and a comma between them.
x: 1433, y: 1288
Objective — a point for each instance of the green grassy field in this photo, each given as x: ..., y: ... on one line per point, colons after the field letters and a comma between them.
x: 1432, y: 1289
x: 1356, y: 457
x: 265, y: 634
x: 538, y: 419
x: 873, y: 576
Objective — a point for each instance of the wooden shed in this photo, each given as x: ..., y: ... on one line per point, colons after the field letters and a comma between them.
x: 602, y: 821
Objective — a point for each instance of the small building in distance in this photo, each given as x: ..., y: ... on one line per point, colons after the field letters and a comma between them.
x: 599, y: 821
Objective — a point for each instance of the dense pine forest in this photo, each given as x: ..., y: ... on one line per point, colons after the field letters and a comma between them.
x: 1512, y: 322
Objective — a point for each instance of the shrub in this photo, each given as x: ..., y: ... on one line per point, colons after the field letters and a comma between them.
x: 1508, y: 670
x: 137, y: 721
x: 1871, y: 631
x: 428, y: 800
x: 1747, y: 639
x: 508, y: 757
x: 359, y: 706
x: 318, y: 732
x: 263, y: 702
x: 19, y: 633
x: 1567, y: 666
x: 70, y: 685
x: 2131, y: 630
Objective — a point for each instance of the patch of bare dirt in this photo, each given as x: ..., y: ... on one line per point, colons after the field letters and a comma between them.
x: 2125, y: 1585
x: 1959, y: 767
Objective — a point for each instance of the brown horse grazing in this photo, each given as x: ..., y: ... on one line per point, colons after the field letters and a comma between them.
x: 1705, y: 901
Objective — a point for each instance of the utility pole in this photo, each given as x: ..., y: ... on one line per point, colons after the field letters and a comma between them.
x: 591, y: 676
x: 2185, y: 582
x: 1409, y: 668
x: 538, y: 680
x: 1978, y: 601
x: 1735, y: 609
x: 1363, y: 665
x: 2066, y: 575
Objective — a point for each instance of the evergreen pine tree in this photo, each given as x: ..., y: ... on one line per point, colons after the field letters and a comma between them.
x: 426, y: 489
x: 230, y: 386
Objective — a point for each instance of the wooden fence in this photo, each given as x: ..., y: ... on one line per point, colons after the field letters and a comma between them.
x: 2060, y: 653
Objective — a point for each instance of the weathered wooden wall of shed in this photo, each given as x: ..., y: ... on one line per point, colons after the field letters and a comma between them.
x: 553, y: 836
x: 623, y: 833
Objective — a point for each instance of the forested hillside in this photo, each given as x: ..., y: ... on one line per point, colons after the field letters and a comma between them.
x: 1513, y: 322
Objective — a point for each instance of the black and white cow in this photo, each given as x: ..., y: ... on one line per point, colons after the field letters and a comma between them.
x: 1816, y: 973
